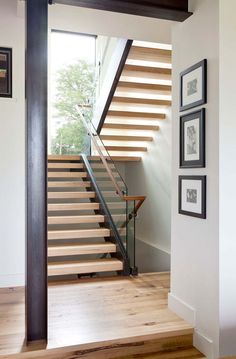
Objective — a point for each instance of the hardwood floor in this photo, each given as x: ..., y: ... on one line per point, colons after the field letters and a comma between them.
x: 100, y: 318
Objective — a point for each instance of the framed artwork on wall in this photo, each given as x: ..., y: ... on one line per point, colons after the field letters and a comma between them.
x: 192, y: 139
x: 193, y: 86
x: 192, y: 196
x: 5, y: 72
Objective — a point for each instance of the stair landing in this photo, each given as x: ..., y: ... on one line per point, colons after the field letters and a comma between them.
x: 101, y: 318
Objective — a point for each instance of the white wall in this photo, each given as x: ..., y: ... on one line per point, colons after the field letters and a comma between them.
x: 12, y: 154
x: 97, y: 22
x: 195, y: 242
x: 227, y: 178
x: 152, y: 177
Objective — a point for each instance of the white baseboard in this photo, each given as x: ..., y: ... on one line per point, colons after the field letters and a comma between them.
x: 203, y: 344
x: 188, y: 313
x: 182, y: 309
x: 12, y: 280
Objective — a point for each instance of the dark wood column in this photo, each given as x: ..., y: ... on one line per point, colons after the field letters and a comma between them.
x: 36, y: 127
x: 176, y: 10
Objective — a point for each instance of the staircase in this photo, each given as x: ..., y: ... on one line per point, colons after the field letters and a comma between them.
x: 141, y: 101
x: 79, y: 238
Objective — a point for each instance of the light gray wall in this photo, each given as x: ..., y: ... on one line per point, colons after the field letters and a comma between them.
x: 152, y: 178
x: 97, y: 22
x: 12, y: 153
x: 195, y: 242
x: 227, y: 178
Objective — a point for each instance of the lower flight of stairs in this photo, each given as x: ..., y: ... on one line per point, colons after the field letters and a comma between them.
x: 79, y: 242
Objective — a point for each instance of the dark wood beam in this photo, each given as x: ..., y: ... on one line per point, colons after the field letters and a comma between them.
x: 36, y: 110
x: 161, y: 9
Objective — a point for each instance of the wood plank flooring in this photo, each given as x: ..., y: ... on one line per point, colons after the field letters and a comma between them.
x: 90, y: 316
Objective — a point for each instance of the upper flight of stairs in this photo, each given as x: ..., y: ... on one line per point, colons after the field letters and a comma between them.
x: 140, y: 102
x: 78, y: 239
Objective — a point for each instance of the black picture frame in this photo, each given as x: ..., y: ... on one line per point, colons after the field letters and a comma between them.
x: 5, y: 72
x: 199, y: 115
x: 203, y: 65
x: 203, y: 181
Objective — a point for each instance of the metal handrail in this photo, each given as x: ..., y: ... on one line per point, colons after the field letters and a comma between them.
x: 140, y: 199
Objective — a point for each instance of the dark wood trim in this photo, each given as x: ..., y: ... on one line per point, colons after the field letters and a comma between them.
x: 161, y: 9
x: 36, y: 110
x: 114, y: 84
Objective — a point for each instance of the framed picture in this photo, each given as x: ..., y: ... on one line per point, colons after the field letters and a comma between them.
x: 193, y: 86
x: 192, y: 139
x: 192, y: 196
x: 5, y: 72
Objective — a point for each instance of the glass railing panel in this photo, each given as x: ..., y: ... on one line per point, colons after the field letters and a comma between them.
x: 113, y: 190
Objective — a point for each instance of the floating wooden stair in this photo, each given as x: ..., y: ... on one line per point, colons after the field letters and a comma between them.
x: 141, y: 100
x: 58, y: 195
x: 84, y: 266
x: 79, y: 233
x: 79, y: 249
x: 131, y: 127
x: 96, y: 218
x: 73, y: 206
x: 79, y: 241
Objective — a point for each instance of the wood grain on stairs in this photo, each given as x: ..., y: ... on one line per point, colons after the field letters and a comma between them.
x: 73, y: 206
x: 78, y: 233
x: 69, y: 184
x: 84, y: 266
x: 96, y: 218
x: 80, y: 249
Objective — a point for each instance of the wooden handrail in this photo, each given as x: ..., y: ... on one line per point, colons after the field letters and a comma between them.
x: 140, y: 199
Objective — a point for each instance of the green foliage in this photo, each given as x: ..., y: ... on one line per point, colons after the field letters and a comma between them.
x: 75, y: 86
x: 71, y: 139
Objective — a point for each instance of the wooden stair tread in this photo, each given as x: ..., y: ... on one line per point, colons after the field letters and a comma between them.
x: 52, y: 165
x: 64, y: 157
x: 73, y: 206
x: 125, y: 138
x: 142, y: 94
x: 85, y: 266
x: 130, y: 127
x: 136, y: 114
x: 145, y: 86
x: 142, y: 67
x: 140, y: 101
x: 68, y: 184
x: 67, y: 174
x: 78, y: 233
x: 126, y: 148
x: 126, y: 158
x: 157, y: 77
x: 80, y: 249
x: 85, y: 194
x: 149, y: 54
x: 144, y: 80
x: 96, y: 218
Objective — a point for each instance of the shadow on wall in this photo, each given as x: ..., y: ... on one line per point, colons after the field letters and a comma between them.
x: 151, y: 259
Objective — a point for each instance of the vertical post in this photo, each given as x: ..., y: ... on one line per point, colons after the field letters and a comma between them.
x: 36, y: 109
